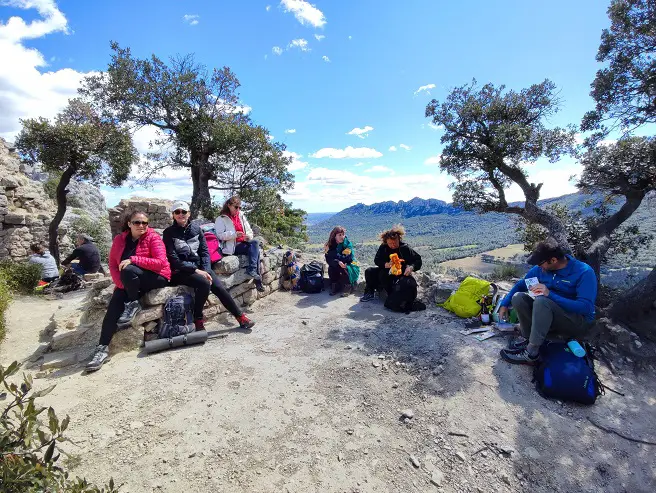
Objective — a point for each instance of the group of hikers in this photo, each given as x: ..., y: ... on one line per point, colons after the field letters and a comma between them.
x: 560, y: 299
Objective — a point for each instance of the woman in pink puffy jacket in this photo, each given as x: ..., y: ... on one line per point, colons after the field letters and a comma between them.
x: 138, y: 263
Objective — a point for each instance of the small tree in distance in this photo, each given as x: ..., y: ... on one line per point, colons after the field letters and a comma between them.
x: 79, y: 144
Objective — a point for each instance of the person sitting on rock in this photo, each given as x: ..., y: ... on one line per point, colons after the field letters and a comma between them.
x: 189, y: 257
x: 379, y: 277
x: 236, y: 235
x: 343, y: 269
x: 138, y: 264
x: 562, y: 302
x: 87, y: 254
x: 42, y: 257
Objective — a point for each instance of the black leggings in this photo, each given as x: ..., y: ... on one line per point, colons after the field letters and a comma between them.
x: 136, y: 282
x: 337, y: 275
x: 377, y: 278
x: 202, y: 291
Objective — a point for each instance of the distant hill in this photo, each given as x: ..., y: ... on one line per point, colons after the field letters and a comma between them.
x: 316, y: 217
x: 442, y: 232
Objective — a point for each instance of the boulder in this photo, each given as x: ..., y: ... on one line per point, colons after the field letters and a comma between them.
x: 161, y: 296
x: 93, y: 277
x: 250, y: 297
x: 63, y: 339
x: 240, y: 289
x: 127, y: 339
x: 227, y: 265
x: 60, y: 359
x: 238, y: 277
x: 148, y: 314
x: 13, y: 218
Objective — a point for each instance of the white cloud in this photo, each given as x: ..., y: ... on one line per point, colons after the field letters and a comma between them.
x: 379, y: 169
x: 325, y: 59
x: 350, y: 37
x: 296, y: 163
x: 403, y: 146
x: 348, y: 153
x: 361, y: 132
x: 191, y: 19
x: 304, y: 12
x: 392, y: 149
x: 426, y: 88
x: 276, y: 50
x: 319, y: 37
x: 271, y: 138
x: 290, y: 131
x: 26, y: 91
x: 268, y: 7
x: 359, y: 164
x: 300, y: 43
x: 433, y: 160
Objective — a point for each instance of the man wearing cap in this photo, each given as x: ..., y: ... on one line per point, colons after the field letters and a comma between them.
x: 189, y: 257
x: 87, y: 254
x: 562, y: 302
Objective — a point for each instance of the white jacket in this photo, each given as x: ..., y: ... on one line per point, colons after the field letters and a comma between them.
x: 225, y: 231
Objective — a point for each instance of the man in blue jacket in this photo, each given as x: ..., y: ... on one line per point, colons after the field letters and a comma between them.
x: 562, y: 301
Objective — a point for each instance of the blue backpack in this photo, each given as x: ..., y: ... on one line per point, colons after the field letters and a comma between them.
x: 564, y: 376
x: 178, y: 316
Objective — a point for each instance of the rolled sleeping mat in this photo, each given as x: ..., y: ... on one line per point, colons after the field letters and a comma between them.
x: 198, y: 337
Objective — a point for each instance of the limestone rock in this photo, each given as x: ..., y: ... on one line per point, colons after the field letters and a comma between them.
x: 64, y: 339
x: 60, y: 359
x: 235, y: 279
x: 93, y: 277
x: 266, y: 292
x: 240, y: 289
x: 250, y: 296
x: 127, y: 339
x: 161, y: 296
x: 227, y: 265
x: 148, y: 314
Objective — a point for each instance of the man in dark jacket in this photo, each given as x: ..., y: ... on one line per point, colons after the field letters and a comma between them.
x: 189, y: 257
x: 379, y: 277
x: 86, y: 253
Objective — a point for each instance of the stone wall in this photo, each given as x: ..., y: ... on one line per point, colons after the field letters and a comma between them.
x: 159, y: 212
x: 72, y: 336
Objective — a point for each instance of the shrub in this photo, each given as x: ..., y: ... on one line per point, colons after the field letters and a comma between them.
x: 50, y: 185
x: 29, y: 448
x: 21, y: 276
x: 5, y: 299
x: 506, y: 272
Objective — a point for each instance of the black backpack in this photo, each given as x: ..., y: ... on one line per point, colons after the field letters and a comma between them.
x: 178, y: 316
x: 312, y: 277
x: 402, y: 296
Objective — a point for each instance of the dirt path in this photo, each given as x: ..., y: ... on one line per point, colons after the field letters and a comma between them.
x: 311, y: 401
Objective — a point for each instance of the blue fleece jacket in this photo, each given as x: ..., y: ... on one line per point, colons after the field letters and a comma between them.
x: 573, y: 288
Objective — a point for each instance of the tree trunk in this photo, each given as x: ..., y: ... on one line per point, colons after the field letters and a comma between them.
x: 550, y: 222
x: 53, y: 229
x: 634, y: 304
x: 200, y: 179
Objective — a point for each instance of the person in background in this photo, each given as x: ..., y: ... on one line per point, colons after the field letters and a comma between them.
x: 138, y: 264
x: 236, y: 235
x: 379, y: 277
x: 42, y: 257
x: 562, y: 302
x: 343, y: 269
x: 87, y: 254
x: 189, y: 257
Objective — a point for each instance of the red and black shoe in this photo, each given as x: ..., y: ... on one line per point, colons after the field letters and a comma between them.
x: 199, y: 323
x: 245, y: 322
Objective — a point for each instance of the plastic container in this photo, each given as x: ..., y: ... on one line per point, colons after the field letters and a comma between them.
x: 576, y: 348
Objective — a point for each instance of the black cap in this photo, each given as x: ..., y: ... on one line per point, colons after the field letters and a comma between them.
x: 545, y: 250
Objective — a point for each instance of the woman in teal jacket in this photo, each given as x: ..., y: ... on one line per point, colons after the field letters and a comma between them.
x: 343, y: 269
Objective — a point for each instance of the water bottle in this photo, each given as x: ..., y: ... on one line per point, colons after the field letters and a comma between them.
x: 576, y: 348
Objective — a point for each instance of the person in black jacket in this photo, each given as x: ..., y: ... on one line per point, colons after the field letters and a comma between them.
x: 189, y: 257
x: 88, y: 255
x: 379, y: 277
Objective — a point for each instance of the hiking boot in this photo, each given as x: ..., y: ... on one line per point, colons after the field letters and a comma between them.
x: 259, y: 286
x: 334, y: 289
x: 245, y: 322
x: 199, y: 323
x: 367, y: 297
x: 99, y: 358
x: 518, y: 343
x: 130, y: 311
x: 519, y: 357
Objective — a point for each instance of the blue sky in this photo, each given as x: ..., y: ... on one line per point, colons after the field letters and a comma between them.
x: 344, y: 83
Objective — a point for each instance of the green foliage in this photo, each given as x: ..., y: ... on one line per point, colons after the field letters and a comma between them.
x: 506, y: 272
x: 50, y: 185
x: 5, y: 299
x: 29, y: 443
x: 21, y: 276
x: 97, y: 228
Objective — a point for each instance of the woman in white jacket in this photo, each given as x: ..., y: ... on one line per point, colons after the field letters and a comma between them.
x: 236, y: 236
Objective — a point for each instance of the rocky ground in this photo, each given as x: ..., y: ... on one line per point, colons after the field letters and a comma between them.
x: 327, y: 394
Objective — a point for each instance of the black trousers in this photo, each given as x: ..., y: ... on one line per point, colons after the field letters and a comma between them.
x: 337, y: 275
x: 136, y: 282
x: 202, y: 291
x: 377, y: 278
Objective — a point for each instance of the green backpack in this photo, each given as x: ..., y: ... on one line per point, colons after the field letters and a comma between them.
x: 465, y: 301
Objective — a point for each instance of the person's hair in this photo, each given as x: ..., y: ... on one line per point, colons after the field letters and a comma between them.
x: 85, y: 237
x: 37, y: 248
x: 128, y: 217
x: 397, y: 231
x: 548, y: 249
x: 331, y: 238
x: 225, y: 210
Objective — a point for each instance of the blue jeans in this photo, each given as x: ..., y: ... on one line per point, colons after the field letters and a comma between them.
x: 251, y: 249
x: 77, y: 268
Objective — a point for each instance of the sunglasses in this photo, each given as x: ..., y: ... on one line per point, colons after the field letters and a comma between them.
x: 235, y: 206
x: 139, y: 223
x: 177, y: 212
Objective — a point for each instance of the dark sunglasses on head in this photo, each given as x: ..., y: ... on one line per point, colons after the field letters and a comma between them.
x: 179, y: 211
x: 140, y: 223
